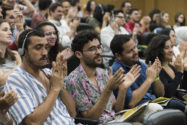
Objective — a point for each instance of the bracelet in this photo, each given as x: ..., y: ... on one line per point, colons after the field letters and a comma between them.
x: 156, y: 79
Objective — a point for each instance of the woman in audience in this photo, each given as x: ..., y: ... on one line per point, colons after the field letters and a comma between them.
x: 170, y: 75
x: 90, y: 8
x: 100, y: 18
x: 163, y: 22
x: 9, y: 60
x: 51, y: 34
x: 179, y: 20
x: 171, y: 33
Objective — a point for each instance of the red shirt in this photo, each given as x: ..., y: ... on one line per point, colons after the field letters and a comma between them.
x: 13, y: 46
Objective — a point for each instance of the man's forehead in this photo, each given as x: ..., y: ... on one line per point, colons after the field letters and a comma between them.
x: 10, y: 12
x: 93, y: 42
x: 38, y: 40
x: 129, y: 45
x: 120, y: 14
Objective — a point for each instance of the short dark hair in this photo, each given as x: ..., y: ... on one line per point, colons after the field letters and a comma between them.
x: 4, y: 10
x: 25, y: 36
x: 44, y: 4
x: 62, y: 1
x: 117, y: 11
x: 132, y: 10
x: 82, y: 38
x: 117, y: 42
x: 124, y: 3
x: 53, y: 7
x: 155, y: 48
x: 155, y: 11
x: 74, y: 2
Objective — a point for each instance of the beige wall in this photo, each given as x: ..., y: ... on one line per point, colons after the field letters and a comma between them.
x: 171, y: 6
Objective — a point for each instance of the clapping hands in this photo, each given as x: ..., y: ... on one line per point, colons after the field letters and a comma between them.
x: 178, y: 64
x: 6, y: 101
x: 59, y: 71
x: 154, y: 70
x: 131, y: 77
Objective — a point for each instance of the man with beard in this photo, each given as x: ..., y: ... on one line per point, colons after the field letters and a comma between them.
x: 42, y: 98
x: 143, y: 89
x: 90, y: 86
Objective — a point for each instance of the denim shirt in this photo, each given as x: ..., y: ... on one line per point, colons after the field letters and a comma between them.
x: 140, y: 80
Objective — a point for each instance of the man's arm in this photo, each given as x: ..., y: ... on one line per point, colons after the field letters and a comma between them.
x: 138, y: 94
x: 30, y: 8
x: 113, y: 82
x: 130, y: 77
x: 39, y: 115
x: 69, y: 102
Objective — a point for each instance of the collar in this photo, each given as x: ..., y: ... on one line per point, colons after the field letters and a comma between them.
x: 120, y: 64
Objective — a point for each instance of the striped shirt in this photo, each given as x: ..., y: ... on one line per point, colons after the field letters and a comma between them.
x: 31, y: 94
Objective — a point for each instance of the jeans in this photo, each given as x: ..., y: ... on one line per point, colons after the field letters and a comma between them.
x: 176, y: 104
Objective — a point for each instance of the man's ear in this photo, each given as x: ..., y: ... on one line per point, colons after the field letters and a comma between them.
x: 78, y: 54
x: 118, y: 56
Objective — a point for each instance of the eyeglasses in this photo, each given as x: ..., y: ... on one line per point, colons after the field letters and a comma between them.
x: 50, y: 33
x: 94, y: 48
x: 121, y: 17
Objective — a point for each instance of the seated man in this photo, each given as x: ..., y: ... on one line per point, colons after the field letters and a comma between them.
x: 42, y: 98
x: 90, y: 86
x: 107, y: 34
x: 147, y: 87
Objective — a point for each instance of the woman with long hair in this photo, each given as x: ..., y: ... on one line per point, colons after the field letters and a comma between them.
x: 170, y: 75
x: 163, y: 22
x: 9, y: 61
x: 52, y: 36
x: 179, y: 20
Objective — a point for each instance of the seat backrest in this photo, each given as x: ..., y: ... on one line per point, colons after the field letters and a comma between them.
x: 166, y: 117
x: 84, y: 26
x: 119, y: 123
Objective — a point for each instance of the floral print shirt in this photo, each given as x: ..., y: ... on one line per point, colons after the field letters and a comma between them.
x: 86, y: 94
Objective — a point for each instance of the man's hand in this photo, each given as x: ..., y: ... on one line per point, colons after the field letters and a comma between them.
x: 106, y: 17
x: 59, y: 71
x: 115, y: 80
x: 7, y: 100
x: 115, y: 27
x: 67, y: 53
x: 131, y: 77
x: 75, y: 24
